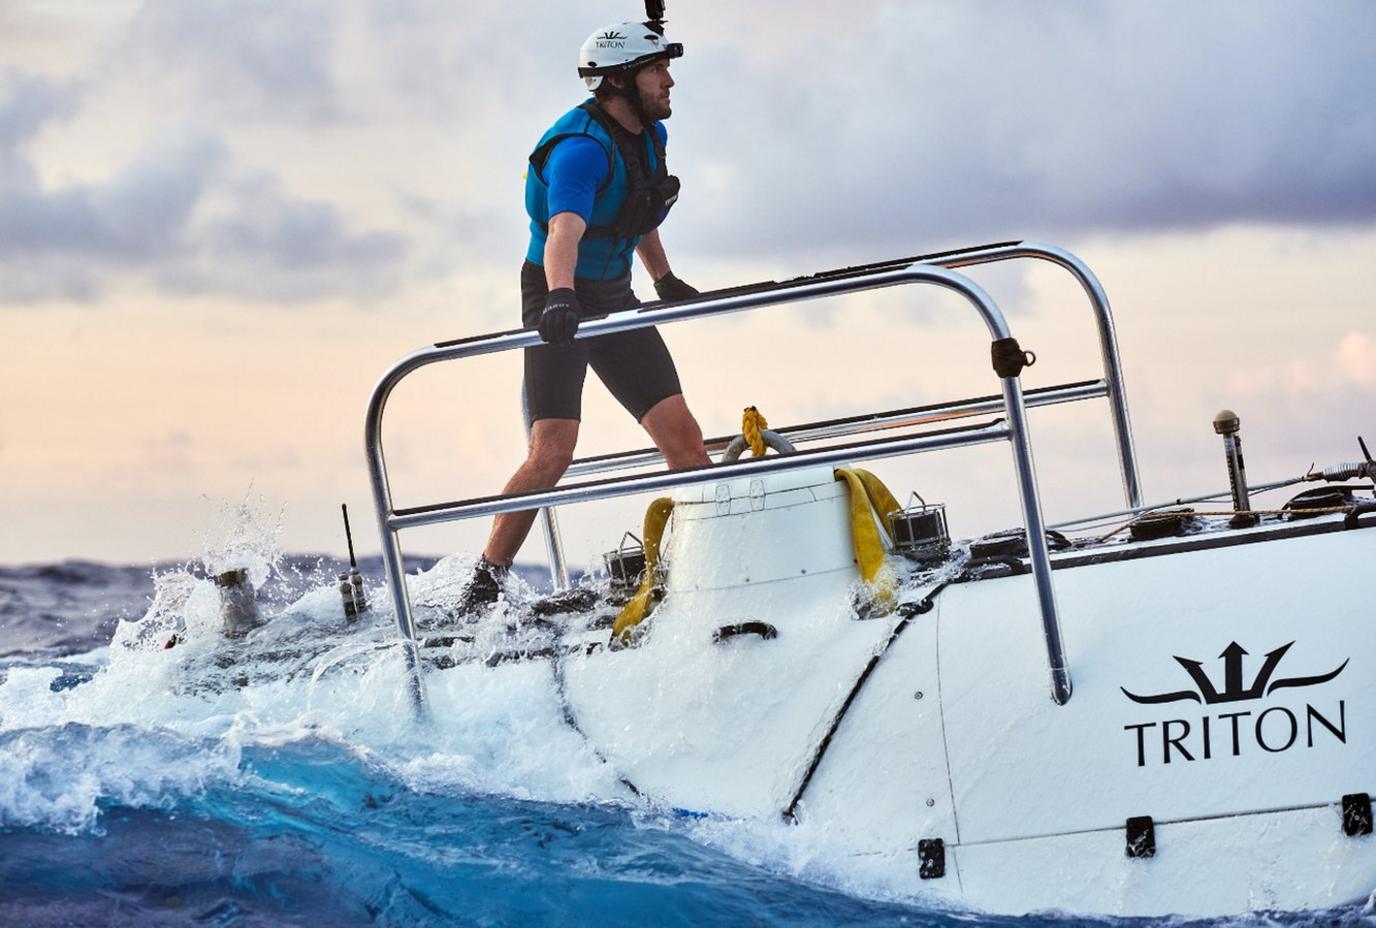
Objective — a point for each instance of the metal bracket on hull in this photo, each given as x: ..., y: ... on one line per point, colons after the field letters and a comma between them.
x: 1356, y: 814
x: 1141, y: 837
x: 931, y: 857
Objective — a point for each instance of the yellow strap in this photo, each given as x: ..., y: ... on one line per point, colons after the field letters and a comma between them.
x: 869, y: 496
x: 751, y: 423
x: 881, y: 500
x: 656, y: 518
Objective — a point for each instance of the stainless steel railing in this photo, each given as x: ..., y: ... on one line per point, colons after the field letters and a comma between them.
x: 856, y: 425
x: 1013, y: 429
x: 1112, y: 382
x: 1108, y: 339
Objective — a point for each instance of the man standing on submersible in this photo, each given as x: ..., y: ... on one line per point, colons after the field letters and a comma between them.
x: 597, y: 190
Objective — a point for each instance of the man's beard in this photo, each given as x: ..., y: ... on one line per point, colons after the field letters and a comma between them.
x: 654, y: 111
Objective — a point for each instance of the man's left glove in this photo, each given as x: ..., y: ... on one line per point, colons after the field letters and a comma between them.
x: 559, y: 321
x: 671, y: 289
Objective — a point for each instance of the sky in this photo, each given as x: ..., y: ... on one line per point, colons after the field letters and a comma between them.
x: 222, y: 220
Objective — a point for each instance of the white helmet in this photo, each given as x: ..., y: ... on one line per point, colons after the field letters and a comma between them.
x: 621, y: 48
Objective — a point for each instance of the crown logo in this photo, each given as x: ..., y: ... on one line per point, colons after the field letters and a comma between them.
x: 1233, y: 688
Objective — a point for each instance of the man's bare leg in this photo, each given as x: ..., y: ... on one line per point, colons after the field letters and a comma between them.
x: 552, y: 441
x: 676, y: 433
x: 551, y: 451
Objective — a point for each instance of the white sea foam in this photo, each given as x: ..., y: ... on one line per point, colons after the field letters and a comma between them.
x: 156, y: 722
x: 57, y: 777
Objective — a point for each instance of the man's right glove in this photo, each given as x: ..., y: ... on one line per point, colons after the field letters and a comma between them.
x: 670, y: 289
x: 559, y: 321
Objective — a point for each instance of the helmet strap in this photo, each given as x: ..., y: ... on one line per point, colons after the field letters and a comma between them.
x: 631, y: 93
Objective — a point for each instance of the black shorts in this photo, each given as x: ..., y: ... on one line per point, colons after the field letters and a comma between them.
x: 635, y: 365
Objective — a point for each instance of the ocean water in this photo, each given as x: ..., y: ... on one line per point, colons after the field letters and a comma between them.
x: 281, y: 780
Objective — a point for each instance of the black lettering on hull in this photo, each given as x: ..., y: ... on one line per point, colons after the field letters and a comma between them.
x: 1261, y: 729
x: 1311, y: 715
x: 1274, y: 731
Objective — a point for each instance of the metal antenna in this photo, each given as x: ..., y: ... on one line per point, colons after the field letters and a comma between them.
x: 344, y: 508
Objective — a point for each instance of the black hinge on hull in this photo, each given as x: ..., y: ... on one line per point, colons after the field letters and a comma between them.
x: 1141, y: 837
x: 931, y: 856
x: 1356, y: 814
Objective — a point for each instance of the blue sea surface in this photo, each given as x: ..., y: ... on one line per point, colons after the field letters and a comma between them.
x: 133, y: 792
x: 322, y: 838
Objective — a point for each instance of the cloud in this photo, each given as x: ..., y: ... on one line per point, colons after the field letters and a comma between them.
x: 256, y: 241
x: 347, y: 61
x: 1351, y: 364
x: 27, y: 101
x: 136, y: 214
x: 941, y: 122
x: 433, y: 58
x: 1356, y: 358
x: 246, y: 58
x: 1309, y: 403
x: 894, y: 129
x: 181, y: 212
x: 173, y: 452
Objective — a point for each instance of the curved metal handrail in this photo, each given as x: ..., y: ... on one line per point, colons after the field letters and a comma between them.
x: 1108, y: 340
x: 390, y: 522
x: 951, y: 260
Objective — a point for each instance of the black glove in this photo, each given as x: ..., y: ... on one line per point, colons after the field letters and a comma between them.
x: 559, y: 321
x: 671, y: 289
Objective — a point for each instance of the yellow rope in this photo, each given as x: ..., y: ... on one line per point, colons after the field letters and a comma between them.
x: 751, y: 424
x: 634, y: 612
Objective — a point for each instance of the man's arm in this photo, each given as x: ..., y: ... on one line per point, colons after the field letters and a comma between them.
x: 669, y: 287
x: 559, y: 321
x: 651, y: 251
x: 561, y: 249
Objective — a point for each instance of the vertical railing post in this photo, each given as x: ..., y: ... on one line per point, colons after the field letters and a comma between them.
x: 392, y: 560
x: 1037, y: 550
x: 395, y: 566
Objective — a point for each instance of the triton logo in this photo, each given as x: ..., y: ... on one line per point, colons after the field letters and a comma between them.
x: 1233, y: 690
x: 1273, y: 730
x: 611, y: 36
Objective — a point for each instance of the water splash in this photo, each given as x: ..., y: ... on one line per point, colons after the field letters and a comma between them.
x: 245, y: 535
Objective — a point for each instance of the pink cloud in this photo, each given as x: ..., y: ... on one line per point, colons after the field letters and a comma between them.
x: 1356, y: 358
x: 1352, y: 362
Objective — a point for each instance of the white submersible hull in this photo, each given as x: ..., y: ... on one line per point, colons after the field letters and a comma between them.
x: 1223, y: 706
x: 1176, y: 724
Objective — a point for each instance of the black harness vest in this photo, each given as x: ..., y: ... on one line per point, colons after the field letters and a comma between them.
x: 649, y: 193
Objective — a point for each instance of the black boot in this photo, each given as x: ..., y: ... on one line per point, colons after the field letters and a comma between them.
x: 483, y: 589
